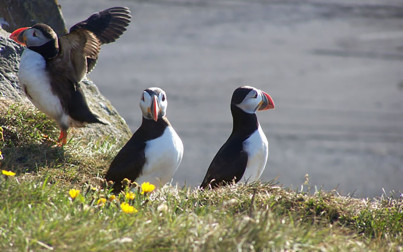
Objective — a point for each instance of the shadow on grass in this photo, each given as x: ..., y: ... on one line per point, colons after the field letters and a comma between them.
x: 24, y: 142
x: 28, y: 158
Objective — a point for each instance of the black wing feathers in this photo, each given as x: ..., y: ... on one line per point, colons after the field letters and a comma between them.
x: 131, y: 158
x: 107, y: 25
x: 128, y: 163
x: 78, y: 108
x: 227, y: 166
x: 230, y: 162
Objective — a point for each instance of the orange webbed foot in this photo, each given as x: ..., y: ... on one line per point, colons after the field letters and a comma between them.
x: 62, y: 138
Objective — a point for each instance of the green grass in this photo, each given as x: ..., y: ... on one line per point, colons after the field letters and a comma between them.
x: 37, y: 213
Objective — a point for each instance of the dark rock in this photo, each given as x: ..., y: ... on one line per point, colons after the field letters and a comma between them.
x: 19, y: 13
x: 9, y: 61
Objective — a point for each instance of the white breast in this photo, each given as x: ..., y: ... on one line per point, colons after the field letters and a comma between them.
x: 34, y: 79
x: 257, y: 148
x: 163, y: 156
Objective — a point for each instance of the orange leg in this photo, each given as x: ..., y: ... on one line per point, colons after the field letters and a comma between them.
x: 62, y: 138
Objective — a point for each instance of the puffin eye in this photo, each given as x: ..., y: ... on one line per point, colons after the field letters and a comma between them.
x: 163, y: 97
x: 255, y: 96
x: 34, y: 34
x: 142, y: 97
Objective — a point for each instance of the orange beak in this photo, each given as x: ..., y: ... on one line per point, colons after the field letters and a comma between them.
x: 154, y: 108
x: 267, y: 102
x: 18, y: 35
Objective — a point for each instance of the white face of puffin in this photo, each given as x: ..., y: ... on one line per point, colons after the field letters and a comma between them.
x: 255, y: 100
x: 29, y: 36
x: 153, y: 103
x: 35, y: 37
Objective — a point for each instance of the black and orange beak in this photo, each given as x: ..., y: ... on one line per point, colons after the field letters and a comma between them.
x: 155, y: 108
x: 266, y: 103
x: 18, y: 35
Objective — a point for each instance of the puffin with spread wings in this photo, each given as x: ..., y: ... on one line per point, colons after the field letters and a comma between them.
x: 51, y: 67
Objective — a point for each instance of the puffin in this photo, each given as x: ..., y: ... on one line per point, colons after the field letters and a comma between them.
x: 51, y: 67
x: 243, y: 156
x: 155, y: 150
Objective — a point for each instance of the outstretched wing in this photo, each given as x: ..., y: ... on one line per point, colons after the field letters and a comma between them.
x: 100, y: 28
x: 107, y: 25
x: 227, y: 166
x: 75, y: 49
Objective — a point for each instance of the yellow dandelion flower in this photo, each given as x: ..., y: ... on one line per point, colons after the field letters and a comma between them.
x: 101, y: 201
x: 146, y: 187
x: 74, y: 193
x: 112, y: 198
x: 8, y: 173
x: 128, y: 208
x: 130, y: 196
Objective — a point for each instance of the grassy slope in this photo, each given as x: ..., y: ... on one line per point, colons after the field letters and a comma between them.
x: 37, y: 213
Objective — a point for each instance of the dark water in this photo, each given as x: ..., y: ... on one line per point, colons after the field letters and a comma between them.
x: 333, y: 68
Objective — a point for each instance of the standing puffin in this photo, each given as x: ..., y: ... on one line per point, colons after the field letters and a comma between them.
x: 51, y: 67
x: 244, y: 154
x: 155, y: 150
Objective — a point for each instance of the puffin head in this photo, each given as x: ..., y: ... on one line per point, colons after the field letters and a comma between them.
x: 36, y: 37
x: 153, y: 103
x: 251, y: 99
